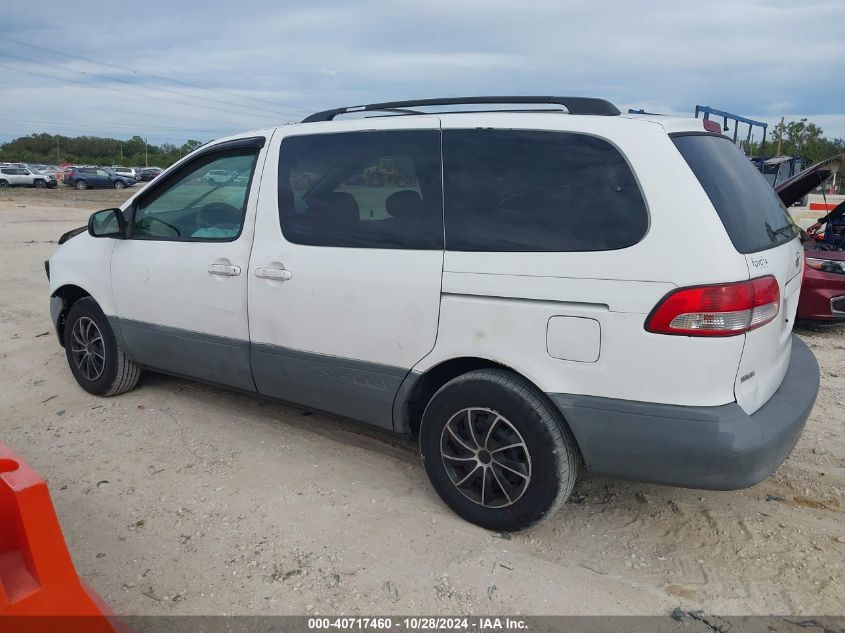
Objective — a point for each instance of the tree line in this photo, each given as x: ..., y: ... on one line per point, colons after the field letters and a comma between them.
x: 92, y: 150
x: 798, y: 138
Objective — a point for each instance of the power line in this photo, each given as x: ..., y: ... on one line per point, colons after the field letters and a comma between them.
x: 133, y: 94
x: 138, y: 72
x: 133, y: 84
x: 11, y: 120
x: 121, y: 119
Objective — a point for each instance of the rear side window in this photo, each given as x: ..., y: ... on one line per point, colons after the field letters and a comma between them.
x: 750, y: 210
x: 362, y: 190
x: 512, y: 190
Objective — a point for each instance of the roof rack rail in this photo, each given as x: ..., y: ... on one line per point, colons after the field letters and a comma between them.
x: 574, y: 105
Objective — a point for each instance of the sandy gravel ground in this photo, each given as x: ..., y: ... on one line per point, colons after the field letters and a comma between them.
x: 180, y: 498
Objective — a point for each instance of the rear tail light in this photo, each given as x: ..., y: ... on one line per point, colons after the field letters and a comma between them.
x: 717, y: 310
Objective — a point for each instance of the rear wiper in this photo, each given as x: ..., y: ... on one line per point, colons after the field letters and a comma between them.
x: 773, y: 233
x: 781, y: 231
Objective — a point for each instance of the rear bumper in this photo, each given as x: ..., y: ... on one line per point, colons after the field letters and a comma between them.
x: 716, y: 448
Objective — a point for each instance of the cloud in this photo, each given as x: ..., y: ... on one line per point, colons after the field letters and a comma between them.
x: 248, y: 65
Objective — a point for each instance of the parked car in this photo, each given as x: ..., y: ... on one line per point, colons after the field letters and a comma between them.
x: 85, y: 177
x: 823, y: 286
x: 129, y: 172
x: 149, y: 173
x: 217, y: 176
x: 529, y: 302
x: 25, y: 177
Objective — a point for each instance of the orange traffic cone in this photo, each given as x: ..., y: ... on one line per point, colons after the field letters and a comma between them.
x: 39, y: 588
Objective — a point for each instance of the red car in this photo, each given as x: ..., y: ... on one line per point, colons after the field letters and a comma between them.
x: 823, y: 288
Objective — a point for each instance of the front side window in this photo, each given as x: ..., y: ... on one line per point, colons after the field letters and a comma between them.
x: 519, y: 191
x: 362, y: 190
x: 204, y: 201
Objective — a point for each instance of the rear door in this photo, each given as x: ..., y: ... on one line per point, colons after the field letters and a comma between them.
x: 760, y: 228
x: 345, y: 273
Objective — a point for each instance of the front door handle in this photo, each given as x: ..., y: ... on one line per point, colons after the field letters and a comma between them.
x: 276, y: 274
x: 227, y: 270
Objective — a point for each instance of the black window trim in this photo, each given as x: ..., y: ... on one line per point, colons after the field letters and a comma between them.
x: 256, y: 143
x: 609, y: 141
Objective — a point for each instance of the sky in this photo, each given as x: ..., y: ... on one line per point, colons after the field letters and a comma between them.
x: 172, y: 71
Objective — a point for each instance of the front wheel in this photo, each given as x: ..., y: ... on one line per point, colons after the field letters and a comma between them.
x: 496, y: 451
x: 93, y: 353
x: 40, y: 184
x: 3, y: 184
x: 119, y: 184
x: 81, y: 184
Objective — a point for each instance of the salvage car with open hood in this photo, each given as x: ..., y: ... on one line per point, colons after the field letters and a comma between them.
x: 823, y: 287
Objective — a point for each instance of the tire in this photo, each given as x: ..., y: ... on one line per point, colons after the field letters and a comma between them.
x: 3, y: 184
x: 119, y: 184
x: 115, y: 373
x: 40, y: 184
x: 81, y: 185
x: 543, y: 457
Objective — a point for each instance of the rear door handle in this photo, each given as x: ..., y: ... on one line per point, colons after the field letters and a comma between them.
x: 227, y: 270
x: 276, y: 274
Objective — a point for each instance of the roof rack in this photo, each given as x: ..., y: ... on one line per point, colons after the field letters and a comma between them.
x: 573, y: 105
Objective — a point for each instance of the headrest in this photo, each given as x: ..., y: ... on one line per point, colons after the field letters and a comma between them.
x: 404, y: 204
x: 338, y: 205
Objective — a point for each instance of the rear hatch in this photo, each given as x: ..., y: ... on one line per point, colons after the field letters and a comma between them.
x: 761, y: 229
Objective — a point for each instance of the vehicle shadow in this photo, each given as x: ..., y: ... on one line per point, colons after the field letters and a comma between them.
x: 332, y: 427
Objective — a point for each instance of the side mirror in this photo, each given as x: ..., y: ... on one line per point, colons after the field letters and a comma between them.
x: 107, y: 223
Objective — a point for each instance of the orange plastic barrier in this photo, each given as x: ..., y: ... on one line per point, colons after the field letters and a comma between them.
x: 39, y: 588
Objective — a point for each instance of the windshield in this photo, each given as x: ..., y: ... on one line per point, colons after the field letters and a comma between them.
x: 750, y: 210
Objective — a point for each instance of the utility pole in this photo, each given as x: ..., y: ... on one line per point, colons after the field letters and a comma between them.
x: 780, y: 137
x: 58, y: 156
x: 146, y: 155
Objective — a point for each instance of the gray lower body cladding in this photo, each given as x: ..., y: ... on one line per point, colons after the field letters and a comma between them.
x: 215, y: 359
x: 716, y: 448
x: 351, y: 388
x: 355, y: 389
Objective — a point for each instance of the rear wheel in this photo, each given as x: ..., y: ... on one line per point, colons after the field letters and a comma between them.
x: 81, y: 184
x: 496, y: 451
x: 3, y: 184
x: 119, y: 184
x: 93, y: 353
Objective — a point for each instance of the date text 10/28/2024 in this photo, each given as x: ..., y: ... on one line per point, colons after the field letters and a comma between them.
x: 486, y: 624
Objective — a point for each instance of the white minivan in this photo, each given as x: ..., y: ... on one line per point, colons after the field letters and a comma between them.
x: 528, y: 292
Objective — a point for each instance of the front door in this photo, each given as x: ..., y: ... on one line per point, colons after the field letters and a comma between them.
x: 179, y: 280
x: 344, y: 280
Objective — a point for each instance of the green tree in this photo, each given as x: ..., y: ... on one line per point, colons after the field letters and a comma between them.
x: 803, y: 138
x: 191, y: 145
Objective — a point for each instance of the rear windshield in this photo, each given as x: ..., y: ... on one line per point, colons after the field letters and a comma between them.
x: 751, y: 211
